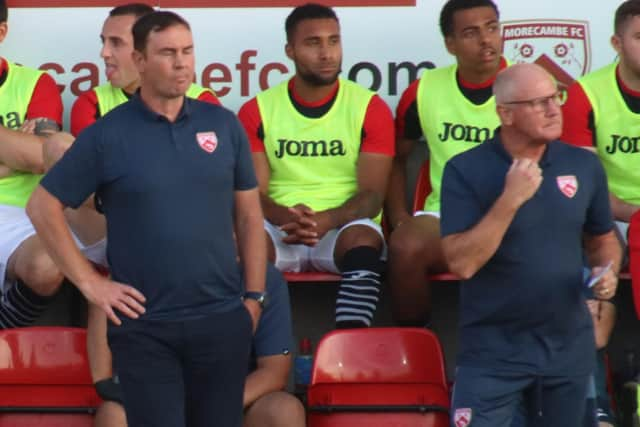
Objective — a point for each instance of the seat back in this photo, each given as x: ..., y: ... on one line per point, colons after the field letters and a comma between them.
x: 378, y: 377
x: 379, y: 355
x: 423, y: 187
x: 44, y: 377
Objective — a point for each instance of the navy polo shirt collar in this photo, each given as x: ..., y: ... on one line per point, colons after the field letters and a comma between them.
x: 547, y: 157
x: 185, y: 110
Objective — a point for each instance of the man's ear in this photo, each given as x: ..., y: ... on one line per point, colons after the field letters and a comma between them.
x: 4, y: 29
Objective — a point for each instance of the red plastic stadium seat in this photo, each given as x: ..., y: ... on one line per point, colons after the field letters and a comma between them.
x: 44, y: 378
x: 311, y: 276
x: 378, y: 377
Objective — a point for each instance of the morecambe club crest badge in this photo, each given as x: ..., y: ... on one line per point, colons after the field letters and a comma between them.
x: 208, y: 141
x: 560, y: 46
x: 568, y: 185
x: 462, y: 417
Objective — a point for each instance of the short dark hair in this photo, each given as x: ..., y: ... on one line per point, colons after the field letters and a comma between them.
x: 4, y: 11
x: 307, y: 11
x: 136, y: 9
x: 625, y: 11
x: 153, y: 23
x: 452, y: 6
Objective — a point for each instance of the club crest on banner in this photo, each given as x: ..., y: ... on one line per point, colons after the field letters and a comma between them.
x: 208, y: 141
x: 568, y: 185
x: 562, y: 47
x: 462, y: 417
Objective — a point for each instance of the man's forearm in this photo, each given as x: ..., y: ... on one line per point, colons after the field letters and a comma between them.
x: 273, y: 212
x: 21, y: 151
x: 251, y: 237
x: 602, y: 249
x: 364, y: 204
x: 468, y: 251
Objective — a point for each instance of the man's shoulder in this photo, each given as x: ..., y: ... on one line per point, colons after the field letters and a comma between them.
x: 572, y: 154
x: 201, y: 108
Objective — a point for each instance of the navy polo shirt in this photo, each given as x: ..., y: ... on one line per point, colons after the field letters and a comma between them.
x: 167, y: 191
x: 524, y: 310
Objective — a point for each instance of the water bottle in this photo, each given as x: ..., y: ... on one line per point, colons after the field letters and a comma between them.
x: 302, y: 368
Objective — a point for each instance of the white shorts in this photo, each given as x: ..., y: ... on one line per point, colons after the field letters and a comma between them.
x: 15, y: 228
x: 297, y: 258
x: 429, y: 213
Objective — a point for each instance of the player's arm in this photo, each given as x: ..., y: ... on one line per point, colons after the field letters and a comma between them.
x: 621, y: 210
x: 373, y: 169
x: 406, y: 120
x: 271, y: 375
x: 249, y: 116
x: 467, y: 251
x: 21, y: 150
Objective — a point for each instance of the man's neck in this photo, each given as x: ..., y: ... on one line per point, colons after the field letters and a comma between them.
x: 309, y: 93
x: 167, y: 107
x: 480, y: 77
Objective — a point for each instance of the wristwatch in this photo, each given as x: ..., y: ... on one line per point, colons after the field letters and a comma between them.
x: 260, y: 297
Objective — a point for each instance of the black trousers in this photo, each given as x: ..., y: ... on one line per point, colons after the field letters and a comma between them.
x: 184, y: 373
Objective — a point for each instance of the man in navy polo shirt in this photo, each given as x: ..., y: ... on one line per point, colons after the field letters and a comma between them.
x: 515, y: 212
x: 174, y: 178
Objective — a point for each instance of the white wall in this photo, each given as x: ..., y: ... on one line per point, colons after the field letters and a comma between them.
x: 69, y: 37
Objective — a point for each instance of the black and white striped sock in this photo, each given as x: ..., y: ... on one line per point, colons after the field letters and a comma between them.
x: 359, y: 289
x: 20, y: 306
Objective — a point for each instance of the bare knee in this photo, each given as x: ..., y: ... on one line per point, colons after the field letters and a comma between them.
x: 36, y: 269
x: 357, y: 236
x: 277, y: 409
x: 110, y: 414
x: 417, y: 242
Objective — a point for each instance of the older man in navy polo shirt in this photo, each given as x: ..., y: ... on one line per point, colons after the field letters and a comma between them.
x: 174, y: 178
x: 515, y: 212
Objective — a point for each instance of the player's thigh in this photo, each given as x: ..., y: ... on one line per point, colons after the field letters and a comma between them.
x: 483, y: 399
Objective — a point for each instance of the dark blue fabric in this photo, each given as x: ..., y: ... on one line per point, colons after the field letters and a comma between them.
x: 503, y: 399
x: 169, y: 203
x: 274, y: 333
x: 186, y: 373
x: 524, y: 310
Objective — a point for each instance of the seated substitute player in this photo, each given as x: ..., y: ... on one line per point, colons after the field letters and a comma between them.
x: 471, y: 31
x: 31, y: 108
x: 322, y: 149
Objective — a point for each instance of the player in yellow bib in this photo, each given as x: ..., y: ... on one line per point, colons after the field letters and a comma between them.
x: 30, y: 108
x: 602, y: 114
x: 453, y: 109
x: 322, y: 148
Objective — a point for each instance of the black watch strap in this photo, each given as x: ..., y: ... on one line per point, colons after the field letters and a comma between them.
x: 260, y: 297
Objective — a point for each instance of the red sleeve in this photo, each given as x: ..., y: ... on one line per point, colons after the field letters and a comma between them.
x: 249, y: 116
x: 209, y: 97
x: 84, y: 112
x: 45, y: 100
x: 379, y: 136
x: 576, y: 111
x: 408, y: 97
